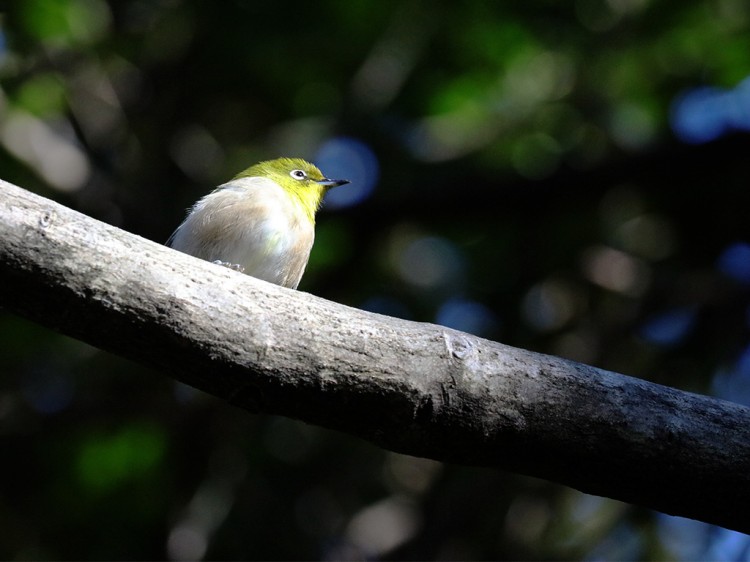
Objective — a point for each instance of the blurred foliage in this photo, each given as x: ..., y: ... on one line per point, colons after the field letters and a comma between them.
x: 547, y: 174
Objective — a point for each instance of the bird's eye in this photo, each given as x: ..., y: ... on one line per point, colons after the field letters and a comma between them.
x: 298, y: 174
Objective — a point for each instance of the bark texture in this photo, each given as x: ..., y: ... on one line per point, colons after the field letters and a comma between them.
x: 410, y: 387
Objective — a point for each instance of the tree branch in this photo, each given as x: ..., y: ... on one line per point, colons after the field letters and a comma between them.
x: 415, y: 388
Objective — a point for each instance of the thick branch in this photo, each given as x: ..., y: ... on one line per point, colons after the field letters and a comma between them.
x: 415, y: 388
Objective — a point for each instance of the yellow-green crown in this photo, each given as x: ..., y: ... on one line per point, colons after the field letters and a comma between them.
x: 301, y: 179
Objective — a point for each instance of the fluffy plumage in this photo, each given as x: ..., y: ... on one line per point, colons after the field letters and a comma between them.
x: 262, y: 221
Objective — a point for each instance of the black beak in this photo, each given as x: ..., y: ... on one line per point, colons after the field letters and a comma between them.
x: 325, y: 182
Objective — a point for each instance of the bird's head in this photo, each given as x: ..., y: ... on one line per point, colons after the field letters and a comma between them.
x: 299, y: 178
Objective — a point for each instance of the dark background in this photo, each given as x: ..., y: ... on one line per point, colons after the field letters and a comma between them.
x: 570, y: 178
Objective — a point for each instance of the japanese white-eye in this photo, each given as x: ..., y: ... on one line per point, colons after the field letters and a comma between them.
x: 262, y: 222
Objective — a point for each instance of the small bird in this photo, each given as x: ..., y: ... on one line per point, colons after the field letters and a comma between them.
x: 262, y: 222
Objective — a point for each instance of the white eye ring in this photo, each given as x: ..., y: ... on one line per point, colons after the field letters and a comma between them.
x: 298, y: 174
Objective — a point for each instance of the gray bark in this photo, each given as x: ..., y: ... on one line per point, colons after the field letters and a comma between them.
x: 410, y: 387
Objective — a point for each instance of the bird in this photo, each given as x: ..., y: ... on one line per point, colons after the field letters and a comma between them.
x: 261, y: 222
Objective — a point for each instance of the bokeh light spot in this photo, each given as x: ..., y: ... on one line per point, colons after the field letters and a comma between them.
x: 186, y: 543
x: 43, y: 94
x: 648, y: 236
x: 549, y: 305
x: 468, y: 316
x: 197, y: 153
x: 51, y: 151
x: 382, y: 526
x: 66, y: 21
x: 633, y: 126
x: 107, y: 461
x: 698, y: 115
x: 350, y: 159
x: 734, y: 262
x: 706, y: 113
x: 431, y: 262
x: 616, y: 271
x: 669, y: 328
x: 728, y: 545
x: 411, y: 475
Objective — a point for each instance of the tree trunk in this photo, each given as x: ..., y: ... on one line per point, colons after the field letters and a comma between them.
x: 414, y: 388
